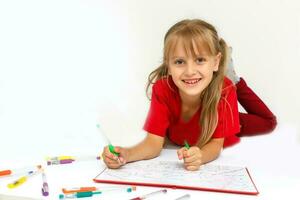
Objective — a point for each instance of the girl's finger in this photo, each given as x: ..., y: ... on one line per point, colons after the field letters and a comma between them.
x: 191, y: 159
x: 194, y: 151
x: 112, y: 157
x: 186, y: 153
x: 180, y: 153
x: 107, y: 153
x: 122, y: 160
x: 195, y: 163
x: 114, y: 166
x: 110, y: 161
x: 118, y: 149
x: 192, y: 168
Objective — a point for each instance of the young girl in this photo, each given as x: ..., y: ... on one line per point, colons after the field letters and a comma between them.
x: 191, y: 99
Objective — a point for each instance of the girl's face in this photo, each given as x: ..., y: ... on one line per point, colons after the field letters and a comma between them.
x: 192, y: 74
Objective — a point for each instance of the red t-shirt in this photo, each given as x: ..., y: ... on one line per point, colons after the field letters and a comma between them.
x: 164, y: 115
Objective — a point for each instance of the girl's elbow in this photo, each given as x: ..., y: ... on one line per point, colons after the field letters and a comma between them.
x: 154, y: 153
x: 157, y: 150
x: 157, y: 153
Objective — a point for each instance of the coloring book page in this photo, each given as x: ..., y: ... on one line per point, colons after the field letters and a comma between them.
x: 169, y: 173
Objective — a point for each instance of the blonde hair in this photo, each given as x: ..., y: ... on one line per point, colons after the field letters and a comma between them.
x: 205, y: 36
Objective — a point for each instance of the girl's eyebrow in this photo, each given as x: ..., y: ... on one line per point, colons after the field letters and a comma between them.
x: 183, y: 57
x: 174, y: 57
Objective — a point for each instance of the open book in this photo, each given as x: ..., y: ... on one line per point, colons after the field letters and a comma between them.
x: 171, y: 173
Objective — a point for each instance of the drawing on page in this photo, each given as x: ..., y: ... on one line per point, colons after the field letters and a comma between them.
x: 173, y: 173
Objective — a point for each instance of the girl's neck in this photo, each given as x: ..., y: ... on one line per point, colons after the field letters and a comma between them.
x: 190, y: 101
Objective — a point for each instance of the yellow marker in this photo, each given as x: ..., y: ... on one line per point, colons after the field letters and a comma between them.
x: 65, y: 157
x: 22, y: 180
x: 17, y: 183
x: 60, y: 158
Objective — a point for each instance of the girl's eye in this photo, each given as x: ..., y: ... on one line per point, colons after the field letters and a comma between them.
x: 178, y: 62
x: 200, y: 60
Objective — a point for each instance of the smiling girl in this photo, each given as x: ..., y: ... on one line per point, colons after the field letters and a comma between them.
x: 191, y: 99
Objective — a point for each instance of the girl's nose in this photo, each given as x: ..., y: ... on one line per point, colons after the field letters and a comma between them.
x: 190, y: 69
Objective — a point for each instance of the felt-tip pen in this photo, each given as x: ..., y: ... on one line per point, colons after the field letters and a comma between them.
x: 150, y: 194
x: 22, y: 179
x: 91, y: 189
x: 45, y: 187
x: 78, y: 195
x: 13, y: 172
x: 186, y: 145
x: 110, y: 146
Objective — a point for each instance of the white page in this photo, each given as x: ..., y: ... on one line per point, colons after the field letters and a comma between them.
x: 171, y: 172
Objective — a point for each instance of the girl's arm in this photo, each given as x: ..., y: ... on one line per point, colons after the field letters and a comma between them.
x: 212, y: 150
x: 149, y: 148
x: 195, y: 157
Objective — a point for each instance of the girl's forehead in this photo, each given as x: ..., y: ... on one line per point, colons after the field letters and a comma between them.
x: 188, y: 47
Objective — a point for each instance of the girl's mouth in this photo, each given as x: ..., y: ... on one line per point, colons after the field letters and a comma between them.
x: 191, y: 81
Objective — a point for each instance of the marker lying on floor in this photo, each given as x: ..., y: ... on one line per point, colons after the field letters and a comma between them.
x: 58, y: 160
x: 150, y: 194
x: 103, y: 190
x: 23, y: 179
x: 78, y: 195
x: 14, y: 172
x: 45, y: 187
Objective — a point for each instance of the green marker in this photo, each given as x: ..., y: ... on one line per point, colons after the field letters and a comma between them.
x: 110, y: 146
x: 186, y: 145
x: 78, y: 195
x: 112, y: 150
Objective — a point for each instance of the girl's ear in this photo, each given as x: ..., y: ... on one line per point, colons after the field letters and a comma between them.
x: 217, y: 62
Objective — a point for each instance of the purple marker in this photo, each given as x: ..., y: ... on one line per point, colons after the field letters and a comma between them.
x: 58, y: 162
x: 45, y: 189
x: 66, y: 161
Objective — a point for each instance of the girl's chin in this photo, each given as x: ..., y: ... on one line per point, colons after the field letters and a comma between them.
x: 191, y: 92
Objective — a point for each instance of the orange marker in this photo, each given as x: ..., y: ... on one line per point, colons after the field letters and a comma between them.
x: 79, y: 189
x: 5, y: 172
x: 93, y: 189
x: 14, y: 172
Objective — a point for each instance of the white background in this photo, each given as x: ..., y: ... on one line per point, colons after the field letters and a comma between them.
x: 67, y: 65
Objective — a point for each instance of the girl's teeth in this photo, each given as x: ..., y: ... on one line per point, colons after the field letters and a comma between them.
x: 192, y: 82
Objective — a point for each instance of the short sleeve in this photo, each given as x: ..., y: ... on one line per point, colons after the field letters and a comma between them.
x: 228, y: 116
x: 158, y: 120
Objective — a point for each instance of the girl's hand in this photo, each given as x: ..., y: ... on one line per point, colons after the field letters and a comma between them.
x: 112, y: 161
x: 192, y: 157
